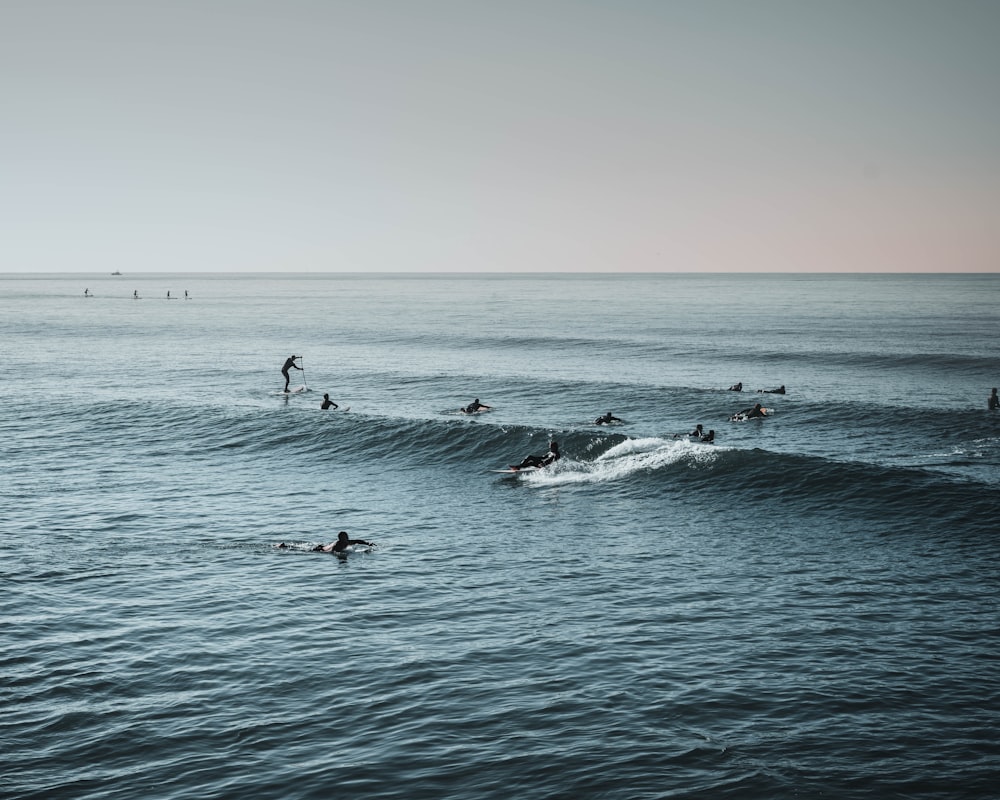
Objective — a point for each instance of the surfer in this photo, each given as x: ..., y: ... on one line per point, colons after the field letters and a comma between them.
x: 697, y: 433
x: 186, y: 296
x: 736, y: 387
x: 339, y: 546
x: 328, y: 403
x: 779, y: 390
x: 289, y: 364
x: 540, y: 461
x: 607, y: 419
x: 994, y: 401
x: 475, y: 406
x: 751, y: 413
x: 709, y: 438
x: 86, y: 292
x: 135, y: 295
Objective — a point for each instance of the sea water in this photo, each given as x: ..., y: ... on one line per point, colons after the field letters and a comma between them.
x: 806, y: 608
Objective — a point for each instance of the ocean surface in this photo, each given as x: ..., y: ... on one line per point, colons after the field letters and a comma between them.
x: 808, y: 608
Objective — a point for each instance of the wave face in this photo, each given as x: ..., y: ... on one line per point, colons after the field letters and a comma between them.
x: 805, y: 607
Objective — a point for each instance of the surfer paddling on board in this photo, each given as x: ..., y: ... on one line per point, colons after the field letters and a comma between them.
x: 540, y: 461
x: 342, y: 543
x: 736, y: 387
x: 607, y: 419
x: 779, y: 390
x: 751, y: 413
x: 328, y: 403
x: 289, y: 364
x: 993, y: 402
x: 475, y: 406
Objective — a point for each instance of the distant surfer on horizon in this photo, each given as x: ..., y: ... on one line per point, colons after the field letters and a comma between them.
x: 607, y: 419
x: 475, y: 406
x: 135, y: 295
x: 779, y: 390
x: 342, y: 543
x: 736, y: 387
x: 540, y: 461
x: 289, y: 364
x: 328, y: 403
x: 994, y: 401
x: 86, y: 292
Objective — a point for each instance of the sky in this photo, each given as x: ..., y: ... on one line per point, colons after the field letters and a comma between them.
x: 505, y: 136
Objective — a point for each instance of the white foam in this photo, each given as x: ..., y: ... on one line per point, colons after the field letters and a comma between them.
x: 623, y: 460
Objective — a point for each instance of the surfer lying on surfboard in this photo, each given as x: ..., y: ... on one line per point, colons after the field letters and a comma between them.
x: 607, y: 419
x: 540, y: 461
x: 339, y: 546
x: 757, y: 412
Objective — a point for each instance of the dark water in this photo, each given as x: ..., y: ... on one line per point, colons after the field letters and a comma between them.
x: 807, y: 608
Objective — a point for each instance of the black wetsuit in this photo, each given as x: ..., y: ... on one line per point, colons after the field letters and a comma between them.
x: 289, y: 363
x: 540, y: 461
x: 328, y: 404
x: 340, y: 545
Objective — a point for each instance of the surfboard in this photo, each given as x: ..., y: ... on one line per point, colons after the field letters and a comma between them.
x: 512, y: 471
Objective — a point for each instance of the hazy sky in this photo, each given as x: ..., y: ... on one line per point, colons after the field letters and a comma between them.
x: 553, y: 135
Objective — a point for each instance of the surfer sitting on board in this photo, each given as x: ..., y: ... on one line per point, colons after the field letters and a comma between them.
x: 779, y: 390
x: 607, y: 419
x: 475, y: 406
x: 709, y: 438
x: 339, y: 546
x: 540, y: 461
x: 328, y: 403
x: 289, y: 364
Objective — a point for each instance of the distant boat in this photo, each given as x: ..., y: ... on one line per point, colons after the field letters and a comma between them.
x: 116, y: 272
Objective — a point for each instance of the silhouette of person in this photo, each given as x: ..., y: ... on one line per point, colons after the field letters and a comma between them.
x: 289, y: 364
x: 540, y: 461
x: 339, y: 546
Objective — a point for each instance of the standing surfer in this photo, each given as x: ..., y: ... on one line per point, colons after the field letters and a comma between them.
x: 289, y: 364
x: 994, y: 401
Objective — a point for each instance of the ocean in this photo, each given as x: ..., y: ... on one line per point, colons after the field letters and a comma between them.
x: 806, y: 608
